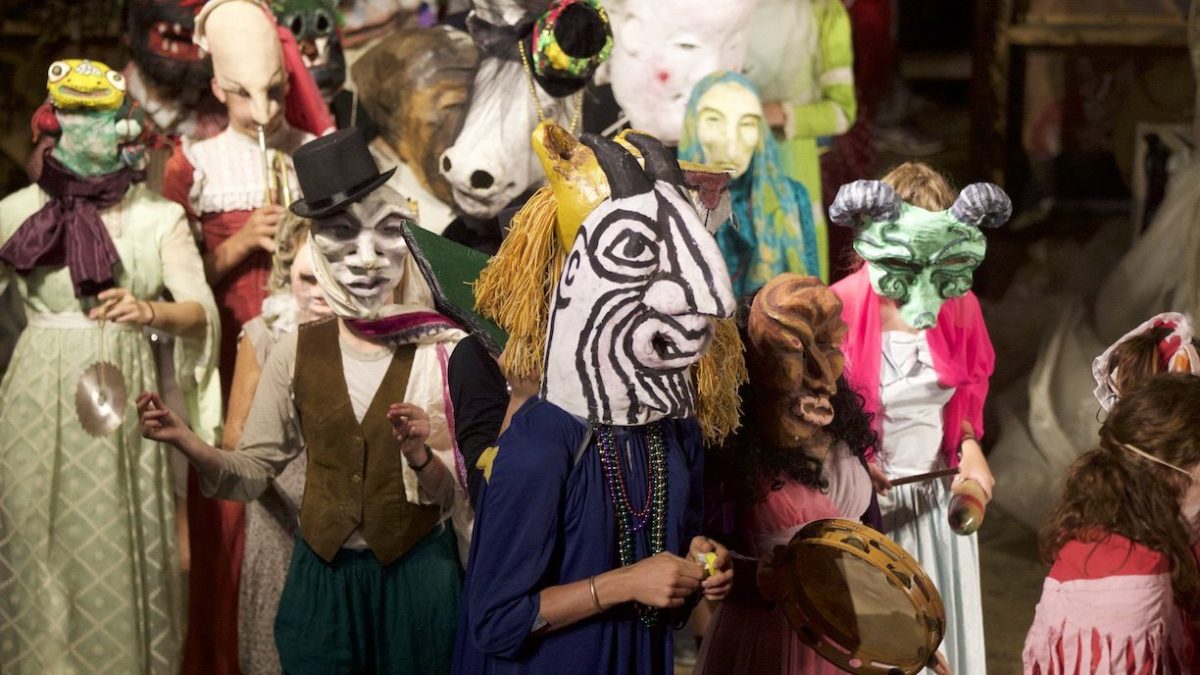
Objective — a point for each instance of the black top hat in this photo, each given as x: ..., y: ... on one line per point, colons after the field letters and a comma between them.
x: 335, y: 171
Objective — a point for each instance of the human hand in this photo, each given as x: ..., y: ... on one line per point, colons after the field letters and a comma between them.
x: 940, y: 665
x: 158, y: 422
x: 715, y: 586
x: 879, y: 479
x: 664, y: 580
x: 258, y: 232
x: 121, y: 306
x: 519, y: 389
x: 974, y: 466
x: 773, y: 115
x: 410, y: 425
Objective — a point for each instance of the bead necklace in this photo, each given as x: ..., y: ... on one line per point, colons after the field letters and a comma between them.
x: 537, y: 102
x: 631, y: 522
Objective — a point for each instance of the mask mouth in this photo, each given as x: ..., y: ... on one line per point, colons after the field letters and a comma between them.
x: 367, y: 286
x: 924, y: 320
x: 816, y: 410
x: 173, y: 41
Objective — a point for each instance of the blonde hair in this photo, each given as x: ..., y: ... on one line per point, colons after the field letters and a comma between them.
x: 921, y: 185
x: 290, y: 236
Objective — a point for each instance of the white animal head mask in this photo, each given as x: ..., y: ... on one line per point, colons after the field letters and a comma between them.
x: 634, y: 306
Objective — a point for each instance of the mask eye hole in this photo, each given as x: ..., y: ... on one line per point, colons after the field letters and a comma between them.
x: 324, y: 25
x: 116, y: 80
x: 959, y: 260
x: 58, y: 70
x: 900, y: 265
x: 296, y: 24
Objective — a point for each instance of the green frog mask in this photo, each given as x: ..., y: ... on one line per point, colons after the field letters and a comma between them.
x: 916, y: 257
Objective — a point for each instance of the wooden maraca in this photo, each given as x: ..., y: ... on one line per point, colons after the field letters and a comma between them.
x: 967, y: 507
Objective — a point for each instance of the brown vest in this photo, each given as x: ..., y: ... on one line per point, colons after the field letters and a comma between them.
x: 355, y: 477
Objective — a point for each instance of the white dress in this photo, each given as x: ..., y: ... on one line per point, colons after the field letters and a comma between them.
x: 915, y: 515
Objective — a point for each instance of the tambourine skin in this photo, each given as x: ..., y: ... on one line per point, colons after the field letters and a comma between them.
x: 856, y: 598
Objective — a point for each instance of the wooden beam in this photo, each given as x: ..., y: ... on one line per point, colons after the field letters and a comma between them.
x: 1097, y: 35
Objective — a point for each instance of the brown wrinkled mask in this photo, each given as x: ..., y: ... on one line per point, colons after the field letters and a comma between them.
x: 416, y: 84
x: 795, y: 329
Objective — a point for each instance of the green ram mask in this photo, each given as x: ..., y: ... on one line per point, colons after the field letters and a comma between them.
x: 916, y: 257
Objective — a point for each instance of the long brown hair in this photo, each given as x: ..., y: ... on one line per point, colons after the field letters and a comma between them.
x: 1112, y: 489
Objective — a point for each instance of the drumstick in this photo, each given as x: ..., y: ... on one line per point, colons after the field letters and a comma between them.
x: 925, y: 476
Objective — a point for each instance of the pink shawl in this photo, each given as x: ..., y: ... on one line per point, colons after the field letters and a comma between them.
x: 962, y: 354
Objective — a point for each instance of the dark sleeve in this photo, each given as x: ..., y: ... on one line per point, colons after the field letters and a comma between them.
x: 517, y: 530
x: 693, y: 520
x: 692, y: 442
x: 479, y: 394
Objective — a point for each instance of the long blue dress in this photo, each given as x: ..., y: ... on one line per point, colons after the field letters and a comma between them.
x: 545, y: 518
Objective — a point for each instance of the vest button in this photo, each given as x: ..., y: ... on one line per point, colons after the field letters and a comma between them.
x: 356, y: 478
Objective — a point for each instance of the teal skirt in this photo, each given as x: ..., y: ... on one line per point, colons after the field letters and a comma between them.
x: 354, y: 615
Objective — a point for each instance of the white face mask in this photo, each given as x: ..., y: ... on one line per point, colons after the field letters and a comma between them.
x: 728, y: 127
x: 365, y: 248
x: 662, y: 48
x: 310, y: 299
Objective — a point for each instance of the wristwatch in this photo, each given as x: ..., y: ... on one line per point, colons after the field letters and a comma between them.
x: 422, y: 465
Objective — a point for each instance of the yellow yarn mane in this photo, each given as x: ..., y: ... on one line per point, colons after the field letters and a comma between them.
x: 517, y: 288
x: 719, y: 374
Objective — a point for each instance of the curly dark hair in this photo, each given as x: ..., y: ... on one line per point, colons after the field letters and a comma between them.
x: 749, y: 467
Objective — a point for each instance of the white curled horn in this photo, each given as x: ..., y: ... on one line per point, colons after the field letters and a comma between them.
x: 982, y: 205
x: 863, y: 201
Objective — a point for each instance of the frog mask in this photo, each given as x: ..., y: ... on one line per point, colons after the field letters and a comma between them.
x: 84, y: 84
x: 97, y: 123
x: 916, y: 257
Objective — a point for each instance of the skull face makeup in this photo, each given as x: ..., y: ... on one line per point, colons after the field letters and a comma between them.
x: 364, y: 248
x: 916, y: 257
x: 633, y: 308
x: 794, y: 329
x: 728, y: 127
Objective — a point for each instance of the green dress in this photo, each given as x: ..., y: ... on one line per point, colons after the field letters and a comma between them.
x: 89, y: 569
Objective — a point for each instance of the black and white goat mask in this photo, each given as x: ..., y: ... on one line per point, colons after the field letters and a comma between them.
x: 634, y: 307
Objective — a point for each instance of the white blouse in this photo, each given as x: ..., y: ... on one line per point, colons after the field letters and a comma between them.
x: 911, y: 405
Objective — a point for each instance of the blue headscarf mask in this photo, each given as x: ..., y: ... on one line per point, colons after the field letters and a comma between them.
x: 771, y: 230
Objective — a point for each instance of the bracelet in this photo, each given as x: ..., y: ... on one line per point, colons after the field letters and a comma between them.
x: 595, y: 598
x: 150, y: 306
x: 428, y: 458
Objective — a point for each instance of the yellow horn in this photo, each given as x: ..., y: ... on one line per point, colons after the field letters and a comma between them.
x: 574, y: 174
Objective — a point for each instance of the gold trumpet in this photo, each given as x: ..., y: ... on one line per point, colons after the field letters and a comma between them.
x: 277, y: 188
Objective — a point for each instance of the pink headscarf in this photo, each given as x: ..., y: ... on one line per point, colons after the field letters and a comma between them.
x: 962, y: 355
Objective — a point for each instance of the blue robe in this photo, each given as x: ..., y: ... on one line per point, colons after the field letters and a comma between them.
x: 545, y: 518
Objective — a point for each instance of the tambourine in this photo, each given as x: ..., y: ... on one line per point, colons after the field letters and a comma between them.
x: 856, y: 598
